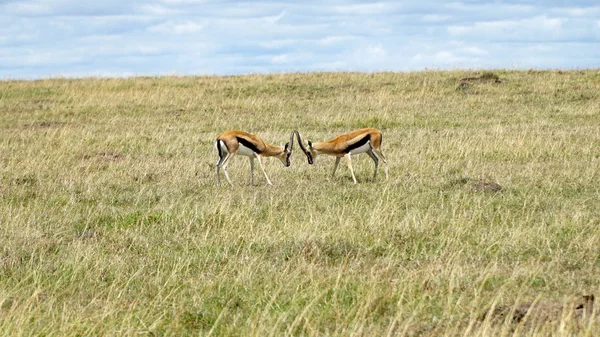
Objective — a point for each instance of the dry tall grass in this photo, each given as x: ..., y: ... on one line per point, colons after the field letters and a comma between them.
x: 112, y: 223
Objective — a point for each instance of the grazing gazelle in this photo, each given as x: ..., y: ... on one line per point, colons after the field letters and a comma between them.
x: 364, y: 140
x: 233, y: 142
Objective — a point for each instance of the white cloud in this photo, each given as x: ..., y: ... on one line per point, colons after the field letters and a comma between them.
x: 551, y: 23
x: 329, y: 40
x: 436, y: 18
x: 376, y: 51
x: 475, y: 51
x: 362, y: 9
x: 159, y: 10
x: 538, y: 27
x: 369, y: 57
x: 495, y: 8
x: 280, y: 59
x: 445, y: 57
x: 184, y: 2
x: 591, y: 11
x: 274, y: 18
x: 101, y: 38
x: 576, y: 11
x: 171, y: 27
x: 28, y: 8
x: 279, y: 43
x: 459, y: 30
x: 36, y: 59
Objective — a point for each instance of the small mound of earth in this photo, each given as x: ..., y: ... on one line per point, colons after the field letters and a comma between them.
x: 485, y: 185
x: 581, y: 308
x: 482, y: 184
x: 86, y: 234
x: 45, y: 124
x: 106, y: 155
x: 463, y: 85
x: 485, y: 77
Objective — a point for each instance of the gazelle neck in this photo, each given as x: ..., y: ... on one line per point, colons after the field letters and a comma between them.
x: 271, y: 150
x: 319, y: 147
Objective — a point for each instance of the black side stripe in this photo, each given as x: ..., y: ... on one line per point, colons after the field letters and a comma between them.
x: 358, y: 144
x: 248, y: 144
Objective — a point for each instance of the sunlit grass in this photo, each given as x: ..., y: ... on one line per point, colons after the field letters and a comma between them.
x: 111, y: 222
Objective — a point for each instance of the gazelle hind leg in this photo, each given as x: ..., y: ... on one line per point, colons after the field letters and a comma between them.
x: 262, y: 168
x: 225, y: 163
x: 376, y: 160
x: 219, y: 165
x: 349, y: 162
x: 219, y: 162
x: 335, y: 166
x: 218, y: 169
x: 218, y: 173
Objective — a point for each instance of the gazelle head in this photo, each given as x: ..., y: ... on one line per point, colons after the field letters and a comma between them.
x: 310, y: 152
x: 287, y: 151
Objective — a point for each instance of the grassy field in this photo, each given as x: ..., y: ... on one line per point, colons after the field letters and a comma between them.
x: 111, y: 221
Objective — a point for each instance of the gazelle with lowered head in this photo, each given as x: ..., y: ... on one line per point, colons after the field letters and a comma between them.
x: 233, y: 142
x: 360, y: 141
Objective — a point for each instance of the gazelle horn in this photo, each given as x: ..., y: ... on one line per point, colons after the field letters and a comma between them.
x: 300, y: 141
x: 292, y: 141
x: 306, y: 152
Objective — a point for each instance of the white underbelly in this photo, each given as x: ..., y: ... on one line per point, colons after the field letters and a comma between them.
x: 242, y: 150
x: 361, y: 149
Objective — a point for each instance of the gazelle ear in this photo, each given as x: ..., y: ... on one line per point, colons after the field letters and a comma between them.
x: 309, y: 143
x: 287, y: 145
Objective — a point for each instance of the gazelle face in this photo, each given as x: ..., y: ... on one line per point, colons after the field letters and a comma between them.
x: 286, y: 155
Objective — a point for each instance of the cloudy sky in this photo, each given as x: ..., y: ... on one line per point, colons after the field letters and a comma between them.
x: 49, y: 38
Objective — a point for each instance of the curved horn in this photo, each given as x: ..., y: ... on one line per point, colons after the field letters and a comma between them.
x: 300, y: 141
x: 292, y: 141
x: 306, y: 152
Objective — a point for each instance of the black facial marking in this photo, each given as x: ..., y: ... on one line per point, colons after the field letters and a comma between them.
x: 358, y: 144
x: 247, y: 144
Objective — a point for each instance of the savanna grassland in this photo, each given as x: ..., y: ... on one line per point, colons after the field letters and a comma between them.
x: 111, y: 221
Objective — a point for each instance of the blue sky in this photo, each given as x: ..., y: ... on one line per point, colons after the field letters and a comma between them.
x: 66, y: 38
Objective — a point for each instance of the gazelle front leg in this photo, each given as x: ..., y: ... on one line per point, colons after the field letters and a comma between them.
x: 349, y: 162
x: 251, y: 171
x: 378, y: 151
x: 376, y: 160
x: 262, y: 168
x: 335, y: 166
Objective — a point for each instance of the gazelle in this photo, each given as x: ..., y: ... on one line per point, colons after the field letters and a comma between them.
x: 233, y: 142
x: 364, y: 140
